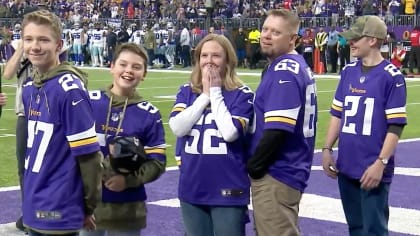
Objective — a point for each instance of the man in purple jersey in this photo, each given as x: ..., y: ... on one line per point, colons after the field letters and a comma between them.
x: 63, y: 163
x: 283, y: 137
x: 368, y: 115
x: 210, y: 118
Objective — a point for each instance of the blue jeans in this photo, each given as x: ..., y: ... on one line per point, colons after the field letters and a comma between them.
x: 109, y: 233
x: 367, y: 212
x: 204, y: 220
x: 34, y: 233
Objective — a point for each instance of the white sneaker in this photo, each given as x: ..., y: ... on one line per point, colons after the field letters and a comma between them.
x: 170, y: 67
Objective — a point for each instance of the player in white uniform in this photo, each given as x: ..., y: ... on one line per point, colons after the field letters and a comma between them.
x: 77, y: 37
x: 99, y: 41
x: 171, y: 45
x: 90, y: 42
x: 16, y: 35
x: 136, y: 36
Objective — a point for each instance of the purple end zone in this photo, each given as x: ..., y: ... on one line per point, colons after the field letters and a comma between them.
x: 167, y: 220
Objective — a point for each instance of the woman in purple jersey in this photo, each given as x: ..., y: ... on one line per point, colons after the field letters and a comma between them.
x: 121, y: 112
x: 210, y: 118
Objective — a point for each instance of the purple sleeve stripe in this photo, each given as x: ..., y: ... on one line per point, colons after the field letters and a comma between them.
x: 337, y: 108
x: 155, y: 151
x: 396, y: 115
x: 280, y: 119
x: 83, y: 142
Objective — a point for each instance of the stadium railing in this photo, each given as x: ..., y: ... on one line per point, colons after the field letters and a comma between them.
x: 234, y: 23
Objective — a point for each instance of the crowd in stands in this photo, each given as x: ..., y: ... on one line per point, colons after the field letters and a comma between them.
x: 77, y: 10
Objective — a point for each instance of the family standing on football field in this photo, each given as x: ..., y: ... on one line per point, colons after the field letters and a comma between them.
x: 88, y: 154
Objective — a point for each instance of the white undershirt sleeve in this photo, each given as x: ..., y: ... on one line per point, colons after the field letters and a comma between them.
x: 222, y: 116
x: 182, y: 123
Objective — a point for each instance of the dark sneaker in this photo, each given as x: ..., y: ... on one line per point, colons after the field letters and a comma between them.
x: 19, y: 224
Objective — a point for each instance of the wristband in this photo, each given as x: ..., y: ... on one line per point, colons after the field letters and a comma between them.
x: 327, y: 148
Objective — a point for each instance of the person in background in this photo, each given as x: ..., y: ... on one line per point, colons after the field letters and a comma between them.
x: 20, y: 67
x: 307, y: 42
x: 343, y: 49
x: 398, y: 56
x: 332, y: 45
x: 368, y: 114
x: 414, y: 59
x: 111, y: 44
x: 321, y: 40
x: 240, y: 43
x: 254, y: 40
x: 210, y: 119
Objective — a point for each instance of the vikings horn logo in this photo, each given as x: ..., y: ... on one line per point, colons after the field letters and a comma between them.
x: 362, y: 79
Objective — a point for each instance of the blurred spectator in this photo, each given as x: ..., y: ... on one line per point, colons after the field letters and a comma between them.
x: 185, y: 41
x: 240, y: 42
x: 308, y: 47
x: 394, y: 7
x: 409, y: 6
x: 398, y: 55
x: 254, y: 39
x: 332, y: 48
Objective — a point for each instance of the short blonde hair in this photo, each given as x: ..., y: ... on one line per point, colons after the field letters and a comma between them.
x: 44, y: 17
x: 289, y: 16
x: 230, y: 79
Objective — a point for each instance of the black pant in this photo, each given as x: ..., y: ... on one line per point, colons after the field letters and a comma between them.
x: 414, y: 56
x: 323, y: 59
x: 254, y: 55
x: 21, y: 143
x: 186, y: 57
x: 344, y: 52
x: 333, y: 56
x: 308, y: 58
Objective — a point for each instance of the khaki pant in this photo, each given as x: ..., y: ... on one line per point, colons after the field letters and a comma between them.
x: 276, y: 207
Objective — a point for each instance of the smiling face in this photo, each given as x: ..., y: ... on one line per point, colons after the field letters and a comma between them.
x: 41, y: 46
x: 213, y: 55
x: 127, y: 71
x: 361, y: 47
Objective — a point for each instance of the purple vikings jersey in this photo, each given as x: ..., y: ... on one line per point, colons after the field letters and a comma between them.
x: 60, y: 128
x: 141, y: 120
x: 286, y: 100
x: 367, y: 104
x: 213, y: 171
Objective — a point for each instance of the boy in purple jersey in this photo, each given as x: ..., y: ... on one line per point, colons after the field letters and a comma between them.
x: 283, y: 138
x: 367, y: 117
x: 63, y: 162
x: 120, y: 111
x: 210, y: 119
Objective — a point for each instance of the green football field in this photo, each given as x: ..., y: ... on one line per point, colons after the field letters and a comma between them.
x: 160, y: 87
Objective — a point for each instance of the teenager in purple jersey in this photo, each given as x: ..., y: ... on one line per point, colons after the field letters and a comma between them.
x: 368, y: 115
x: 283, y: 138
x: 63, y: 162
x: 119, y: 110
x: 210, y: 118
